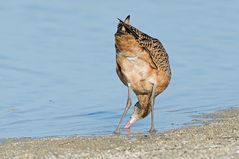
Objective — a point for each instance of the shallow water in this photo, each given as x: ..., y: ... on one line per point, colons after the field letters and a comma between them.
x: 57, y: 63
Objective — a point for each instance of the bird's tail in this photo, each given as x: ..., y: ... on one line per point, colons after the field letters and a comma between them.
x: 122, y: 26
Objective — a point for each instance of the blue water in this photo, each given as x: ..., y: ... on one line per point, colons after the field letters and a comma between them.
x: 57, y: 63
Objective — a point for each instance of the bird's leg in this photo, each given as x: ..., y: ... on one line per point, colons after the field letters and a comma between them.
x: 152, y: 99
x: 128, y: 104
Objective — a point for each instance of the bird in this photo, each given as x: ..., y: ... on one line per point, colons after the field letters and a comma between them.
x: 142, y: 64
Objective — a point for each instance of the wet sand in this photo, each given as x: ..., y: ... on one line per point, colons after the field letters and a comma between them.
x: 217, y: 138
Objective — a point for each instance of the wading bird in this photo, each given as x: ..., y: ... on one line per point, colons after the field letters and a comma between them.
x: 142, y: 64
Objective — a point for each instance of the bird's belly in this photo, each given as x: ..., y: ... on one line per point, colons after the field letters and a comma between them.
x: 139, y: 74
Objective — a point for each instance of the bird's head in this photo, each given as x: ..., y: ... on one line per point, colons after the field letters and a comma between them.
x: 139, y: 113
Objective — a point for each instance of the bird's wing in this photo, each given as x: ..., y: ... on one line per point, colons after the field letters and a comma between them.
x: 153, y: 46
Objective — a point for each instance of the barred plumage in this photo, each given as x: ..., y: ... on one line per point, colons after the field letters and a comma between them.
x: 152, y: 45
x: 142, y: 64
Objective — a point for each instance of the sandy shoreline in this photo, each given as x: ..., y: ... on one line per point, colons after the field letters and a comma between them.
x: 217, y: 139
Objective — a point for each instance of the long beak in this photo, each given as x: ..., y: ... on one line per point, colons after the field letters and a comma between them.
x: 130, y: 122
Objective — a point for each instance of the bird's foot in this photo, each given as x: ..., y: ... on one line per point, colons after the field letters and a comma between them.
x: 117, y: 131
x: 152, y: 130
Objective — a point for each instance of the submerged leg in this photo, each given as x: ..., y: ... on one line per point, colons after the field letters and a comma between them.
x: 128, y: 104
x: 152, y: 99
